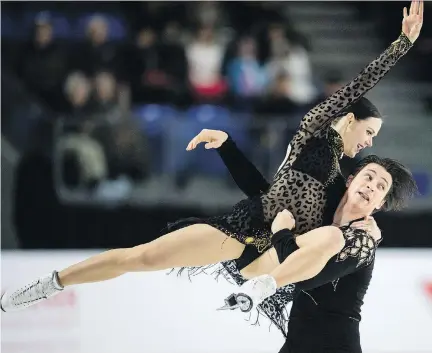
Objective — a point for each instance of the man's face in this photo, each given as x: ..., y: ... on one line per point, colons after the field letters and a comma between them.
x: 105, y: 86
x: 368, y: 189
x: 43, y: 34
x: 80, y: 93
x: 98, y: 30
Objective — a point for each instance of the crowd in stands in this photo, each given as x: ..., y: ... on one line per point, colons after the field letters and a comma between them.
x: 109, y: 70
x: 94, y: 68
x: 154, y: 57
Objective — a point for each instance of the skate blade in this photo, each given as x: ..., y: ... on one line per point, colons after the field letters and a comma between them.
x: 228, y: 307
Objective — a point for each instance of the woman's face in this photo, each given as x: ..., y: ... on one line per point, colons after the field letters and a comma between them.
x: 358, y: 134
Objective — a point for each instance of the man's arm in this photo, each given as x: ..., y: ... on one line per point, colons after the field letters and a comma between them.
x: 319, y: 257
x: 323, y: 254
x: 314, y: 250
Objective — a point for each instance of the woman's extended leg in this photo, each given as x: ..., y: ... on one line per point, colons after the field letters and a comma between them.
x: 196, y: 245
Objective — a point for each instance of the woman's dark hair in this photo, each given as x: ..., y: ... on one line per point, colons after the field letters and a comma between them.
x: 403, y: 187
x: 362, y: 109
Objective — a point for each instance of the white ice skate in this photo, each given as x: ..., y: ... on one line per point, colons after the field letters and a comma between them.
x: 31, y: 294
x: 251, y: 294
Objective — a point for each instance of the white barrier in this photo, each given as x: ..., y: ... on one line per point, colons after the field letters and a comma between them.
x: 160, y: 313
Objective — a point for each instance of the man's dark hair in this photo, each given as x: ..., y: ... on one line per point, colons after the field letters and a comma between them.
x: 403, y: 187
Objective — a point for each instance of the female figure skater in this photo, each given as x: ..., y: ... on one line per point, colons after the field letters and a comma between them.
x: 302, y: 185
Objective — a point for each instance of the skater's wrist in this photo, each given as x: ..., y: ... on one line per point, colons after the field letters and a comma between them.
x: 282, y: 233
x: 228, y: 143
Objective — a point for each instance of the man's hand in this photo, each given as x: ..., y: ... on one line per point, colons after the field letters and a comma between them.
x: 369, y: 226
x: 283, y: 220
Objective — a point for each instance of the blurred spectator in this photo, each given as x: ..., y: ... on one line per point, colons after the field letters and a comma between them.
x: 103, y: 142
x: 281, y: 86
x: 124, y: 146
x: 294, y: 60
x: 172, y: 33
x: 173, y: 53
x: 204, y: 57
x: 249, y: 16
x: 103, y: 128
x: 77, y: 89
x: 154, y: 14
x: 142, y: 66
x: 105, y: 93
x: 44, y: 63
x: 157, y: 69
x: 246, y: 77
x: 207, y: 13
x: 84, y: 163
x: 96, y: 53
x: 212, y: 14
x: 278, y: 101
x: 123, y: 143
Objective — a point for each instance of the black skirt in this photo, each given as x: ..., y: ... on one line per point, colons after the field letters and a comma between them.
x: 246, y: 224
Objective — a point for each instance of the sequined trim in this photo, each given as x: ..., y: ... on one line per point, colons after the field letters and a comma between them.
x: 335, y: 283
x: 400, y: 46
x: 335, y: 140
x: 358, y: 244
x: 336, y: 144
x: 261, y: 239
